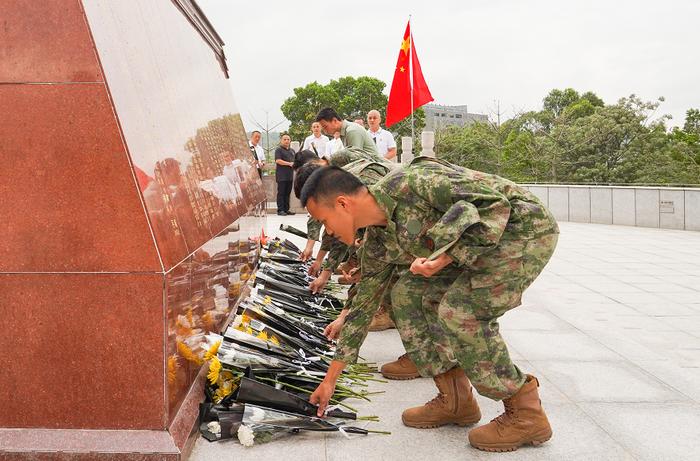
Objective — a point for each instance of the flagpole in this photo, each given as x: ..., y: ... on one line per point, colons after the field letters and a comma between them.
x: 410, y: 81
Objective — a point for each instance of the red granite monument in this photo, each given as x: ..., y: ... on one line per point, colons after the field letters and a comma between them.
x: 130, y: 210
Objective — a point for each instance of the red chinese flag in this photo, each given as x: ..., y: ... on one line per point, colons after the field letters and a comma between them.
x: 143, y: 179
x: 399, y: 106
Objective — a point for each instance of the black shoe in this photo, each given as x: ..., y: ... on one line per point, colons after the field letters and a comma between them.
x: 281, y: 213
x: 290, y: 213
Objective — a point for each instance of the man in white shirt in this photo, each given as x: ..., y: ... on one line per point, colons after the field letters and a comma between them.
x: 334, y: 145
x: 382, y: 138
x: 316, y: 141
x: 257, y: 151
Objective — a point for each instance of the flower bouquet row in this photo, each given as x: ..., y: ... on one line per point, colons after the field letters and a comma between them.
x: 266, y: 363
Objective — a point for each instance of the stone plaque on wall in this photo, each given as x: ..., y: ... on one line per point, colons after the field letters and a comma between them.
x: 666, y: 206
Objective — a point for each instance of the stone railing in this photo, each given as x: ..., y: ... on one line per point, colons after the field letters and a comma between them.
x: 662, y: 207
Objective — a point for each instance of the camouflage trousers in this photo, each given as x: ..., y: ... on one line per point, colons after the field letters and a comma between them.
x: 451, y: 318
x: 422, y: 338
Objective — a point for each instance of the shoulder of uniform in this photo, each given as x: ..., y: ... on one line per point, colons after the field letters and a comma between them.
x: 424, y: 160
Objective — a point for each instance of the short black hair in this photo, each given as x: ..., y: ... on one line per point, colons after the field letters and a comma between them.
x: 302, y: 175
x: 255, y: 131
x: 328, y: 182
x: 327, y: 114
x: 303, y: 157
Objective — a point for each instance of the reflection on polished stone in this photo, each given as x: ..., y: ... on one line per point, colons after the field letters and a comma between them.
x: 180, y: 123
x: 201, y: 291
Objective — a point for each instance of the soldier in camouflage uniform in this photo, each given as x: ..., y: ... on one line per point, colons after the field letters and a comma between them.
x: 418, y: 361
x: 462, y: 245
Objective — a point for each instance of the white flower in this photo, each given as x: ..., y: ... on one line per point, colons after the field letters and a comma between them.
x: 211, y: 339
x: 214, y: 427
x: 258, y: 414
x: 246, y: 436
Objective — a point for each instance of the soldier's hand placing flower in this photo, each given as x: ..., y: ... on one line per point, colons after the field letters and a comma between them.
x: 308, y: 251
x: 323, y: 393
x: 317, y: 285
x: 332, y: 331
x: 428, y: 268
x: 315, y: 268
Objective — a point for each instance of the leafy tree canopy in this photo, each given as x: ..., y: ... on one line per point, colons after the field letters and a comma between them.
x: 577, y: 138
x: 351, y: 97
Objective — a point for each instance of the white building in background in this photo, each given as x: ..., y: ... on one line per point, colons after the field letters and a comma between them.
x: 437, y: 116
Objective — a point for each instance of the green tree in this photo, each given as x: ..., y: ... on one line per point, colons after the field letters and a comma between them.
x: 692, y: 122
x: 351, y: 97
x: 558, y: 100
x: 593, y: 99
x: 578, y: 139
x: 478, y: 147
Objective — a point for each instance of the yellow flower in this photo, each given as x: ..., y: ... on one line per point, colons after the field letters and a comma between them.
x: 190, y: 317
x: 211, y: 353
x: 262, y: 335
x: 274, y: 340
x: 208, y: 320
x: 173, y: 366
x: 214, y: 369
x: 224, y: 389
x: 187, y: 353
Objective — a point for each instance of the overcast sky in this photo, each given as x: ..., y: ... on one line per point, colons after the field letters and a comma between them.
x: 471, y: 52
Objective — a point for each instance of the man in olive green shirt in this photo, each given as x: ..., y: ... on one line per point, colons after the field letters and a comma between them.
x: 358, y: 145
x: 355, y: 138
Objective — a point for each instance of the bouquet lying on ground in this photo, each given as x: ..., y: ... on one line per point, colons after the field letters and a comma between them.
x: 266, y: 363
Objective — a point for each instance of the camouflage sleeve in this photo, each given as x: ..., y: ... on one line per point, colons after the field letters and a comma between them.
x: 474, y: 215
x: 368, y: 294
x: 336, y: 255
x: 327, y: 241
x: 352, y: 154
x: 313, y: 229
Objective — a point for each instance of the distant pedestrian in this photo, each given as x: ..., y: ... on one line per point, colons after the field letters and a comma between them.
x: 386, y: 145
x: 334, y: 145
x: 284, y: 174
x: 316, y: 141
x: 257, y: 151
x: 360, y: 121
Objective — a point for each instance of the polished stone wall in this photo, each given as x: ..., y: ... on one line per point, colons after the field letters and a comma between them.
x: 131, y: 217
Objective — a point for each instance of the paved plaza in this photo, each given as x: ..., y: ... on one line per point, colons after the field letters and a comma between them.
x: 612, y: 330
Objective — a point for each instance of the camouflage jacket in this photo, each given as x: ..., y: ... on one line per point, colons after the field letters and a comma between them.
x: 435, y: 207
x: 313, y: 229
x: 357, y: 142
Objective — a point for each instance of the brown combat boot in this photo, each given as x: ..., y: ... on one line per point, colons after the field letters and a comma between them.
x: 523, y: 422
x: 401, y: 369
x: 381, y: 321
x: 454, y: 404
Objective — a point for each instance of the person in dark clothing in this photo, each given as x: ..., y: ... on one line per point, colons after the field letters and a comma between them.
x: 284, y: 158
